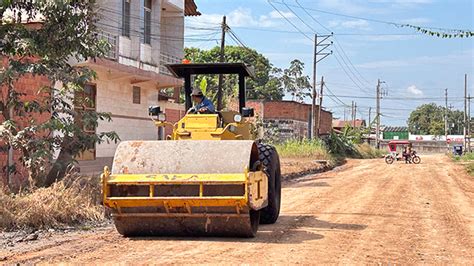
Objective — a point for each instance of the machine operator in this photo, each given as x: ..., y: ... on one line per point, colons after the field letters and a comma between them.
x: 201, y: 104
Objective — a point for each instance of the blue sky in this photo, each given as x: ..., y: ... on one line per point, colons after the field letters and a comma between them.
x: 412, y: 65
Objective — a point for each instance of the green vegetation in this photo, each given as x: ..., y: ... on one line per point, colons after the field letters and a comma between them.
x: 303, y: 148
x: 68, y: 31
x: 333, y: 148
x: 368, y: 152
x: 270, y: 83
x: 465, y: 157
x: 467, y: 160
x: 428, y: 119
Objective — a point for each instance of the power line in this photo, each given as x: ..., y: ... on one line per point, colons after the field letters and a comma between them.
x: 338, y: 61
x: 374, y: 20
x: 334, y: 33
x: 335, y: 39
x: 397, y: 98
x: 289, y: 21
x: 142, y: 19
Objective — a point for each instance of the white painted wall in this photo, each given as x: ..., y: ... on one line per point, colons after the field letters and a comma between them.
x: 116, y: 97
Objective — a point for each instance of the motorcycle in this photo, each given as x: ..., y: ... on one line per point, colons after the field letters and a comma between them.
x: 394, y: 156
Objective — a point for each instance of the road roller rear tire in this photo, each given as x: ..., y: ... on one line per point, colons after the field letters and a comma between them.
x: 271, y: 162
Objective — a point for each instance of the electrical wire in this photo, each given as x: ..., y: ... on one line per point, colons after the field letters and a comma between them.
x: 336, y: 41
x: 376, y: 20
x: 337, y: 59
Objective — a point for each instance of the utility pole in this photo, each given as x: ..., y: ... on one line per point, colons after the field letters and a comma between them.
x: 315, y: 62
x: 222, y: 59
x: 446, y: 119
x: 352, y: 114
x: 320, y: 105
x: 370, y: 113
x: 469, y: 122
x: 313, y: 103
x: 355, y: 113
x: 377, y: 117
x: 465, y: 113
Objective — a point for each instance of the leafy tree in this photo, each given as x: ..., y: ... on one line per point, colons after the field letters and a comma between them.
x: 266, y: 84
x: 428, y: 119
x: 295, y: 82
x: 67, y: 32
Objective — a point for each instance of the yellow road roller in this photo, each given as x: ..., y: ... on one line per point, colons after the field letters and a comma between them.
x: 208, y: 178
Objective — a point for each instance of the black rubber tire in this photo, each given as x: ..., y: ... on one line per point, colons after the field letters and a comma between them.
x: 389, y: 159
x: 416, y: 159
x: 271, y: 162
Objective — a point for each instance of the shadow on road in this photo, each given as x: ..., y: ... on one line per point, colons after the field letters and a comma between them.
x: 309, y: 183
x: 289, y: 229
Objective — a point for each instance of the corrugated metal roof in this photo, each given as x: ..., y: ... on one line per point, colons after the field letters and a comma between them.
x: 395, y: 129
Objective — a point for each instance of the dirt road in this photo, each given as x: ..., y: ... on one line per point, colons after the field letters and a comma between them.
x: 363, y: 212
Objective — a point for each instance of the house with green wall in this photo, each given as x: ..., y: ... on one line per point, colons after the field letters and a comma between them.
x: 397, y: 133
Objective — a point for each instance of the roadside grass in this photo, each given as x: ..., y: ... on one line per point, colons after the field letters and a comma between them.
x: 470, y: 168
x: 318, y: 150
x: 368, y: 152
x: 303, y: 148
x: 464, y: 157
x: 467, y: 160
x: 72, y: 201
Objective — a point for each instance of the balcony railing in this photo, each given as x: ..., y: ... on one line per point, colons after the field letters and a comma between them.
x: 113, y: 42
x: 167, y: 59
x: 113, y: 52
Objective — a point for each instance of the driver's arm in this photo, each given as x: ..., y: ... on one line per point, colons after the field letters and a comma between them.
x: 191, y: 110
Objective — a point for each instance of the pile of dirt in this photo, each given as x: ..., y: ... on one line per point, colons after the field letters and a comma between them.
x: 296, y: 167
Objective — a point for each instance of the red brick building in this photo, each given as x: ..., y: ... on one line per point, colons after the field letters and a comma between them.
x: 291, y: 119
x: 28, y: 86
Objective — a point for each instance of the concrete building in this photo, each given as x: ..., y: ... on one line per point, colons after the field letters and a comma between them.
x: 144, y: 36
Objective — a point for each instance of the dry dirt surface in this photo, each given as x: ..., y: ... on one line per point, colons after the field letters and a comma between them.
x: 363, y: 212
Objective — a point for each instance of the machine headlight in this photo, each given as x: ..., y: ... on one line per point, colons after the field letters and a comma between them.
x: 237, y: 118
x: 162, y: 117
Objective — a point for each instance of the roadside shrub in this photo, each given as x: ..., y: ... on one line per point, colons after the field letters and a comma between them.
x: 303, y: 148
x: 368, y: 152
x: 340, y: 145
x: 71, y: 201
x: 470, y: 168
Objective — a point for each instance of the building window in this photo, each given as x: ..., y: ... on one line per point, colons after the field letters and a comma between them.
x: 85, y: 101
x: 126, y: 18
x: 147, y: 22
x: 136, y: 94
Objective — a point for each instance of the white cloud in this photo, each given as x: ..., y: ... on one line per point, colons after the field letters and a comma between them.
x: 242, y: 17
x: 348, y: 7
x: 414, y: 90
x: 385, y: 38
x: 416, y: 21
x: 276, y: 15
x: 358, y: 24
x: 454, y: 58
